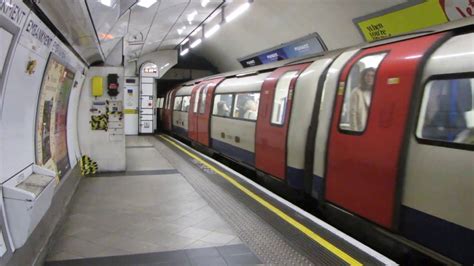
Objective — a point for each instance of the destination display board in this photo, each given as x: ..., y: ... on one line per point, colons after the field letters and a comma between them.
x: 311, y: 44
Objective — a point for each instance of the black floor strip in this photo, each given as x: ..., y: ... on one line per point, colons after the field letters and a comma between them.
x: 224, y: 255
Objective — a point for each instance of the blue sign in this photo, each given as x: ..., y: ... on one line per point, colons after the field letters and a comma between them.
x: 308, y: 45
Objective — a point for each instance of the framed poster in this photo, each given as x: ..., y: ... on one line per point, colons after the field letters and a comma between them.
x: 51, y: 117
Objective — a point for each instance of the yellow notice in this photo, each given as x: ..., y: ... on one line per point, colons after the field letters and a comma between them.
x: 413, y: 18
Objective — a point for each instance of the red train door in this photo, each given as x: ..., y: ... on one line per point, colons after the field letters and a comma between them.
x: 368, y: 127
x: 169, y: 111
x: 204, y: 106
x: 192, y: 114
x: 273, y: 119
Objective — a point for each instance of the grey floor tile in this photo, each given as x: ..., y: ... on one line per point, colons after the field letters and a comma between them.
x: 203, y: 252
x: 208, y: 261
x: 244, y: 259
x: 201, y: 244
x: 194, y: 233
x: 218, y: 238
x: 62, y: 256
x: 234, y: 250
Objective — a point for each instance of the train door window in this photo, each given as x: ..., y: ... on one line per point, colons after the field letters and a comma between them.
x: 5, y: 42
x: 246, y: 106
x: 222, y: 105
x: 202, y: 102
x: 185, y: 103
x: 177, y: 103
x: 447, y: 113
x: 281, y: 98
x: 168, y: 101
x: 196, y: 100
x: 358, y: 93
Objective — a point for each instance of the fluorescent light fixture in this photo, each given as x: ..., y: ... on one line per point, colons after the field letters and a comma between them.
x: 181, y: 30
x: 167, y: 64
x: 106, y: 2
x: 211, y: 31
x: 214, y: 14
x: 146, y: 3
x: 196, y: 43
x: 241, y: 9
x: 185, y: 41
x: 191, y: 16
x: 184, y: 52
x: 204, y: 3
x: 196, y: 31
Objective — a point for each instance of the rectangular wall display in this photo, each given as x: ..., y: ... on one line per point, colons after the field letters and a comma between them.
x: 308, y: 45
x: 51, y: 144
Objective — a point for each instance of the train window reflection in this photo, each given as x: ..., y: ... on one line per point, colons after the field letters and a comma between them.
x: 447, y: 112
x: 5, y: 42
x: 177, y: 103
x: 185, y: 103
x: 196, y: 100
x: 246, y: 106
x: 281, y: 98
x: 358, y: 93
x: 222, y: 105
x: 202, y: 102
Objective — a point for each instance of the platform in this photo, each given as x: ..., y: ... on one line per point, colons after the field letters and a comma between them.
x: 176, y: 206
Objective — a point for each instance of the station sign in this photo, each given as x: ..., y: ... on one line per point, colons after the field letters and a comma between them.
x: 311, y: 44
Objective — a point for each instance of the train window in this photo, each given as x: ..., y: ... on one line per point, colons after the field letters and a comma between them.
x: 196, y: 100
x: 185, y: 103
x: 177, y: 103
x: 281, y: 98
x: 246, y: 106
x: 222, y: 105
x: 5, y: 42
x: 358, y: 93
x: 202, y: 102
x: 447, y: 112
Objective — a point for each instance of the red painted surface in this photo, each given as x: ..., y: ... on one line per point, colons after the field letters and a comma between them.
x: 198, y: 124
x: 270, y: 140
x: 362, y: 169
x: 167, y: 113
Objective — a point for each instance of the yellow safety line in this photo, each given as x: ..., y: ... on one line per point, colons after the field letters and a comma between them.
x: 323, y: 242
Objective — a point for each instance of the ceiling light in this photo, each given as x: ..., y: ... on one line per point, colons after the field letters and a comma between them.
x: 146, y: 3
x: 196, y: 31
x: 241, y: 9
x: 167, y: 64
x: 185, y: 51
x: 204, y: 3
x: 195, y: 43
x: 211, y: 31
x: 191, y: 16
x: 185, y: 41
x: 181, y: 30
x: 214, y: 14
x: 107, y: 2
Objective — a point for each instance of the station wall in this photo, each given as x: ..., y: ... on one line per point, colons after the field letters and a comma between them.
x: 269, y: 23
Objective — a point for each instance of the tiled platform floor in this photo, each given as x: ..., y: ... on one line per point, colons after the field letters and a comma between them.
x: 150, y: 208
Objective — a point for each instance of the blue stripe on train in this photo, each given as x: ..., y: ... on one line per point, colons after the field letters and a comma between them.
x: 447, y: 238
x: 236, y: 153
x: 180, y: 131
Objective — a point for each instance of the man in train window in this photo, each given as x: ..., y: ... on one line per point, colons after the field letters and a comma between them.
x: 360, y: 100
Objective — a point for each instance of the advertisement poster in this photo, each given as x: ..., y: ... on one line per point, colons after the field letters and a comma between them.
x: 51, y: 144
x: 418, y: 16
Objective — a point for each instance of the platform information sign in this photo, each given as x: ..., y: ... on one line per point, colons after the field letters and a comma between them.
x: 397, y: 21
x: 307, y: 45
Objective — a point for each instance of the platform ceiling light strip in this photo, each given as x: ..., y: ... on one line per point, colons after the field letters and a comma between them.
x: 184, y: 52
x: 196, y: 31
x: 109, y: 3
x: 211, y: 31
x: 196, y: 43
x: 305, y: 230
x: 185, y: 41
x: 146, y: 3
x: 191, y: 16
x: 204, y: 3
x: 241, y: 9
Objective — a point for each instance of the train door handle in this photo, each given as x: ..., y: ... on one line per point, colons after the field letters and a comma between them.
x: 223, y: 135
x: 237, y: 139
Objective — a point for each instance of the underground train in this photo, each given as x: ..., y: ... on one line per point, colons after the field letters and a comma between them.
x: 381, y: 132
